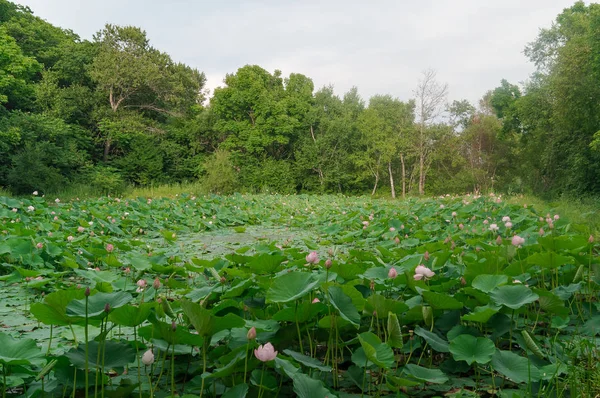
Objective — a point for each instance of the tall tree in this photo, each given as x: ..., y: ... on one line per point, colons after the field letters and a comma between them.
x: 134, y: 75
x: 430, y: 98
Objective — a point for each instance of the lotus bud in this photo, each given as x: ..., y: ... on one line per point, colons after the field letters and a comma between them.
x: 251, y: 333
x: 148, y: 358
x: 328, y: 263
x: 591, y: 239
x: 173, y: 326
x: 110, y: 248
x: 316, y: 300
x: 107, y: 308
x: 499, y: 240
x: 541, y: 232
x: 426, y: 256
x: 392, y: 274
x: 156, y: 283
x: 87, y: 291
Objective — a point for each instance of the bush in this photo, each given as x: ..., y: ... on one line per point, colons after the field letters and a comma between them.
x: 219, y: 174
x: 31, y: 171
x: 106, y: 180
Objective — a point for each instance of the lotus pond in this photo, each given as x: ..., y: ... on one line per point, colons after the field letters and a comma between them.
x: 308, y: 296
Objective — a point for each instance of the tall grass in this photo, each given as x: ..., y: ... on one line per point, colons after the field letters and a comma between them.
x: 585, y: 212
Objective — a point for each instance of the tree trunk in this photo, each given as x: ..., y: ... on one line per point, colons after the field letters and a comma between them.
x: 391, y: 180
x: 421, y: 173
x: 375, y: 186
x: 106, y: 149
x: 403, y: 176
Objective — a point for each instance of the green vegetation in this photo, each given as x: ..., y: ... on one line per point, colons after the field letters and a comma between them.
x: 115, y: 112
x: 309, y: 296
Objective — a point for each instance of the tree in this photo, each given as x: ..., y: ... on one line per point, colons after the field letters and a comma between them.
x: 16, y: 73
x: 134, y: 75
x: 430, y: 98
x: 384, y: 126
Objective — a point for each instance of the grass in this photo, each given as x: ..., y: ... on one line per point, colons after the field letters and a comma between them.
x: 583, y: 211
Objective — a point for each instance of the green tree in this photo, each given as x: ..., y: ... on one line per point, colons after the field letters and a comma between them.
x: 133, y: 75
x: 16, y: 73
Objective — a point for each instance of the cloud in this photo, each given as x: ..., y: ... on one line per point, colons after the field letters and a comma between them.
x: 381, y: 47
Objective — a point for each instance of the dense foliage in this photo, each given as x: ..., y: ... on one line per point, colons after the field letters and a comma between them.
x: 307, y: 296
x: 115, y: 111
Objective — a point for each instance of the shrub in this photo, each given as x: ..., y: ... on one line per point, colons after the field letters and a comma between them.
x: 219, y: 173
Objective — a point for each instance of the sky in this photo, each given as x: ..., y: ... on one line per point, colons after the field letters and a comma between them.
x: 379, y: 46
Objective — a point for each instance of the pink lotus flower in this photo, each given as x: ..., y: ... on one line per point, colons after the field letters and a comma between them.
x: 493, y: 227
x: 508, y: 224
x: 141, y: 285
x: 312, y: 258
x: 517, y: 240
x: 265, y: 353
x: 316, y: 300
x: 392, y: 229
x: 110, y: 248
x: 156, y: 283
x: 556, y: 217
x: 30, y: 208
x: 505, y: 219
x: 422, y: 272
x: 392, y: 273
x: 70, y: 238
x: 80, y: 229
x: 40, y: 245
x: 251, y: 333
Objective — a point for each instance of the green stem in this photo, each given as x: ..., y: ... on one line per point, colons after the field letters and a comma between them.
x: 87, y: 349
x: 246, y: 362
x: 50, y: 342
x: 173, y: 371
x: 203, y: 367
x: 262, y: 374
x: 137, y: 355
x: 4, y: 381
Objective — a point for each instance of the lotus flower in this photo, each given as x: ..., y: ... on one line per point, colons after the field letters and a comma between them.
x: 392, y: 274
x: 312, y: 258
x: 505, y: 219
x: 110, y: 248
x: 35, y: 193
x: 493, y: 227
x: 141, y: 285
x: 30, y: 208
x: 316, y: 300
x: 508, y: 224
x: 148, y: 358
x: 156, y: 283
x: 265, y: 353
x: 422, y: 272
x: 251, y: 333
x: 517, y: 240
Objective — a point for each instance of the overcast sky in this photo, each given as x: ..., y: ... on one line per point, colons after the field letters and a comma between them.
x: 379, y: 46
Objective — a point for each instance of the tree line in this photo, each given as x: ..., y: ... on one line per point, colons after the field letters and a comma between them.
x: 115, y: 111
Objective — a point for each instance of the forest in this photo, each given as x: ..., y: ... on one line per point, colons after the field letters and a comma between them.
x: 115, y: 112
